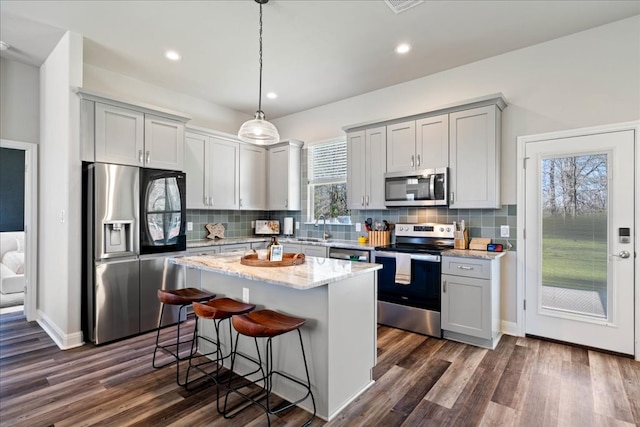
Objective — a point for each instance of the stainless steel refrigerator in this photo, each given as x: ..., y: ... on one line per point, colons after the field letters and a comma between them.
x: 124, y: 206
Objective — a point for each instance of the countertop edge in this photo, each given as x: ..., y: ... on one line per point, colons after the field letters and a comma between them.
x: 198, y: 262
x: 467, y: 253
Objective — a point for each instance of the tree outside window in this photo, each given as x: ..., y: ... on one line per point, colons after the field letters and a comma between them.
x: 328, y: 182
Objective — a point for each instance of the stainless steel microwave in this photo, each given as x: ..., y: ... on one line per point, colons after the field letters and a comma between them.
x: 427, y: 187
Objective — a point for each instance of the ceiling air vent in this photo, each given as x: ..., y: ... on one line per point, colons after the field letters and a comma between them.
x: 401, y: 5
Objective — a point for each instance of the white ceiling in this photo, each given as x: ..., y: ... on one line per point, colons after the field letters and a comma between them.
x: 315, y: 52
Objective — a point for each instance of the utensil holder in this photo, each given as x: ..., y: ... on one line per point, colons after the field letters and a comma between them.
x: 461, y: 239
x: 379, y: 238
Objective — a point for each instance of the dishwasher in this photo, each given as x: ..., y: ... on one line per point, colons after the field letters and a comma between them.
x: 356, y: 255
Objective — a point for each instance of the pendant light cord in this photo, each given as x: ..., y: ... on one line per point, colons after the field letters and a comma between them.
x: 260, y: 52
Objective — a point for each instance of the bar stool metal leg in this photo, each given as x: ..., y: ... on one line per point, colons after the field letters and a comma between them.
x: 266, y: 324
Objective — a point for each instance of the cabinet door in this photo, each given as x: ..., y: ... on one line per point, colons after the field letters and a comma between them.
x: 356, y: 170
x: 196, y: 156
x: 375, y: 167
x: 317, y: 251
x: 253, y: 171
x: 119, y: 135
x: 401, y: 147
x: 278, y: 178
x: 236, y: 247
x: 291, y: 248
x: 474, y: 146
x: 432, y: 142
x: 163, y: 143
x: 466, y: 305
x: 224, y: 173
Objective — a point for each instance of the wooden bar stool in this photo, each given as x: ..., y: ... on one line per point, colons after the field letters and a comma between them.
x: 266, y: 324
x: 216, y: 310
x: 184, y: 298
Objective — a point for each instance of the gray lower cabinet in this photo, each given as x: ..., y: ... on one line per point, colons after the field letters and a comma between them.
x: 310, y: 250
x: 471, y: 300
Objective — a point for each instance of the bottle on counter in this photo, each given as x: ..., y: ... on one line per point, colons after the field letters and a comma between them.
x: 274, y: 241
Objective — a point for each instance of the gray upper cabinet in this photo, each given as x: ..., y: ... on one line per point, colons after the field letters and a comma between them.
x: 212, y: 167
x: 130, y: 137
x: 284, y: 180
x: 432, y: 142
x: 401, y: 147
x: 253, y: 170
x: 474, y: 149
x: 366, y: 166
x: 418, y: 144
x: 118, y: 132
x: 163, y: 143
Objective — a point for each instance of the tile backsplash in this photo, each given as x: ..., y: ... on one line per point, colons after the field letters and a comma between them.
x: 480, y: 222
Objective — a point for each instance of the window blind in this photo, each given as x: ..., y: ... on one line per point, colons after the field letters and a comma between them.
x: 328, y: 162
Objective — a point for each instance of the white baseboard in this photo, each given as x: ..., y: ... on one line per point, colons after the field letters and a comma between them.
x: 62, y: 340
x: 509, y: 328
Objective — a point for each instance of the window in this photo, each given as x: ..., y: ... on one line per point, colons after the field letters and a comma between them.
x: 327, y: 174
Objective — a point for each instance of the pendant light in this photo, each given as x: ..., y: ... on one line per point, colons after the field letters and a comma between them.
x: 259, y: 130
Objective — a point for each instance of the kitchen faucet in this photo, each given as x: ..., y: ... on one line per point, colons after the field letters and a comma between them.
x: 325, y: 235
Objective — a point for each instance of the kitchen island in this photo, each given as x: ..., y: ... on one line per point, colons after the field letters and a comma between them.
x: 338, y: 299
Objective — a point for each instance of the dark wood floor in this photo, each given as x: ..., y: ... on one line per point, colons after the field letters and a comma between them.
x: 420, y: 381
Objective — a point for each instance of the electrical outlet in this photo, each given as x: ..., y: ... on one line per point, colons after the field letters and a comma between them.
x: 253, y: 224
x: 504, y: 231
x: 358, y: 227
x: 245, y: 295
x: 189, y: 226
x: 297, y: 225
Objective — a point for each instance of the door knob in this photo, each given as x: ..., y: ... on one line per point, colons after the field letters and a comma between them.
x: 622, y: 254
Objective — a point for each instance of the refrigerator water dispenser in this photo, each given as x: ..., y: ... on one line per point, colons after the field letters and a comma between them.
x: 118, y: 237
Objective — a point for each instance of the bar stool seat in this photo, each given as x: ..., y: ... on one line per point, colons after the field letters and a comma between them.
x: 184, y: 298
x: 216, y: 310
x: 266, y: 324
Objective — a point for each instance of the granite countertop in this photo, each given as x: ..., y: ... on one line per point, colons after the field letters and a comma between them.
x: 466, y: 253
x: 313, y: 273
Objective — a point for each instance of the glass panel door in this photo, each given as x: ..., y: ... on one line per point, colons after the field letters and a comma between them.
x: 574, y: 235
x: 579, y: 268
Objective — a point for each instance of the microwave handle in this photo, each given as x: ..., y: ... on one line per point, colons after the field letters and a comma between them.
x: 432, y: 190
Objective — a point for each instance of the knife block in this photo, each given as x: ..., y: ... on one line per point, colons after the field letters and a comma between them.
x: 461, y: 239
x: 379, y: 238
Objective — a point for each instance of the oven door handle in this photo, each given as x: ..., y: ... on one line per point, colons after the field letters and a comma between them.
x: 416, y: 257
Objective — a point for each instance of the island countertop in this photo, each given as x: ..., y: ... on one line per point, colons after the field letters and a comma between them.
x: 312, y: 273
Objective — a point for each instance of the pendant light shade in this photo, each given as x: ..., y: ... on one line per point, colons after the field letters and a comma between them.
x: 259, y: 130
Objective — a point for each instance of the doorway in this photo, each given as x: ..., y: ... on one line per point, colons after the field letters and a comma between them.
x: 579, y: 237
x: 30, y: 222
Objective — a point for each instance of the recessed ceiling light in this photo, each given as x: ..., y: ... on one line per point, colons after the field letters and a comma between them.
x: 172, y: 55
x: 4, y: 46
x: 272, y: 95
x: 403, y: 48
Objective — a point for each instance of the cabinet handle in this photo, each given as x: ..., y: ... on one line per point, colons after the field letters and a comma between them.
x: 444, y: 286
x: 140, y: 159
x: 418, y: 162
x: 464, y: 267
x: 451, y: 197
x: 412, y: 157
x: 367, y: 200
x: 286, y: 203
x: 205, y: 201
x: 240, y: 203
x: 148, y: 156
x: 362, y: 201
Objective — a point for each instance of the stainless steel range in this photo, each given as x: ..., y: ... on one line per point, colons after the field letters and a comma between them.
x: 409, y: 283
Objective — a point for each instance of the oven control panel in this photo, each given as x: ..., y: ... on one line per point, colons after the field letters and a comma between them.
x: 425, y: 230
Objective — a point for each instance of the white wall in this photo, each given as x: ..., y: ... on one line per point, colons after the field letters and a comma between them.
x: 202, y: 112
x: 19, y: 102
x: 60, y: 181
x: 586, y: 79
